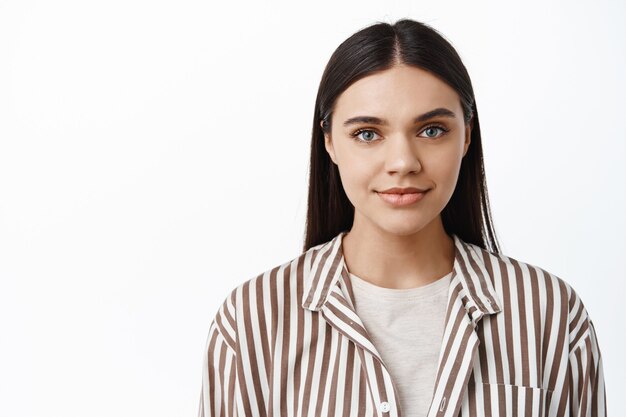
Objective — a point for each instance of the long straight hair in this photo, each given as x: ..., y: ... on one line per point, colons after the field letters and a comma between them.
x: 370, y: 50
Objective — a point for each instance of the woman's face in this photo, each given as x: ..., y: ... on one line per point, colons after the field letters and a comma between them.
x: 402, y: 149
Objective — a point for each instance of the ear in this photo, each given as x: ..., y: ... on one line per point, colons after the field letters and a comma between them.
x: 328, y: 144
x: 468, y: 136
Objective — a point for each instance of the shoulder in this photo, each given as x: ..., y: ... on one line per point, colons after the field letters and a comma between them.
x: 261, y: 297
x: 273, y: 282
x: 535, y: 290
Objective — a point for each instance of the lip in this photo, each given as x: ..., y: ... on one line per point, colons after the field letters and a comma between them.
x: 405, y: 190
x: 401, y: 199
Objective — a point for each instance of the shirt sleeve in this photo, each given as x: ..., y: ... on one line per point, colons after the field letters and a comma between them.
x: 220, y: 388
x: 587, y: 394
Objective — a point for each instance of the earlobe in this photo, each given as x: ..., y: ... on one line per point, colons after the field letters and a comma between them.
x: 328, y: 144
x: 468, y: 139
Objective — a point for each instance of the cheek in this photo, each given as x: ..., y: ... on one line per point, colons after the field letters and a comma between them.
x: 444, y: 172
x: 356, y: 176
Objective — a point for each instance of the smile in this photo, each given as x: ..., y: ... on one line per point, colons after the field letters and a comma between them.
x: 399, y: 200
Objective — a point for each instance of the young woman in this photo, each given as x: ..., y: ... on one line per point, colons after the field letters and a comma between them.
x: 401, y: 303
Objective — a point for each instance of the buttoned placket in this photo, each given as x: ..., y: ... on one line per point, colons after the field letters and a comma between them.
x: 339, y: 312
x: 465, y: 307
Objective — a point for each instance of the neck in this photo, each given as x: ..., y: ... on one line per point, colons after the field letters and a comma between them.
x: 399, y: 261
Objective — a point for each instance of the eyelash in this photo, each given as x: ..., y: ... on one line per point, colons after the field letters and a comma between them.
x: 369, y: 142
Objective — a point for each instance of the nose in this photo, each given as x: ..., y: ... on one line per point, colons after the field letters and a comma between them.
x: 401, y: 155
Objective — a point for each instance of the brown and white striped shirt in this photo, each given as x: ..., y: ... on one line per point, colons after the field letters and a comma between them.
x: 518, y: 341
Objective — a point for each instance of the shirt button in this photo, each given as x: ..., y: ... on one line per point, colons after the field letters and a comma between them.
x: 384, y: 406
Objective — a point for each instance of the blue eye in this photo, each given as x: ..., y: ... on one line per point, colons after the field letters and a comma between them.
x: 431, y: 128
x: 370, y: 134
x: 358, y: 132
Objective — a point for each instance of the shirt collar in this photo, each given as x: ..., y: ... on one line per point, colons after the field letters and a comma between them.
x: 327, y: 266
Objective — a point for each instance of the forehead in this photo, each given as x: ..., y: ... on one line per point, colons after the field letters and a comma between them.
x: 398, y: 92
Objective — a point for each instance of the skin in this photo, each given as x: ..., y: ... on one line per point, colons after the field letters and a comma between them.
x: 398, y: 247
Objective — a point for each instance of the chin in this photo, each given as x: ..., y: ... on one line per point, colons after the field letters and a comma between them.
x: 402, y: 229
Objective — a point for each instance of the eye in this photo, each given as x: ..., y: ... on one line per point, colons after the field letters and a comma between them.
x: 369, y: 133
x: 367, y: 139
x: 432, y: 128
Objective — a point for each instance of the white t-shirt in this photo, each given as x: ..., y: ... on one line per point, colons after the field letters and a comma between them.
x: 406, y: 327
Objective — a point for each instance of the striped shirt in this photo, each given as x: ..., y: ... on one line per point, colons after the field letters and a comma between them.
x: 518, y: 341
x: 406, y: 326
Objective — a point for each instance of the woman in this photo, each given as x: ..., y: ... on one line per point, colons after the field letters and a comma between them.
x: 401, y: 303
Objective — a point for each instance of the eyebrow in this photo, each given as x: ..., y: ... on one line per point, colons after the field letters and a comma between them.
x: 441, y: 111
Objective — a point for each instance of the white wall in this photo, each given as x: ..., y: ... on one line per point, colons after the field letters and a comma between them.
x: 147, y: 146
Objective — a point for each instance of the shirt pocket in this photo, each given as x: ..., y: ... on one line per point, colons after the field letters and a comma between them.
x: 506, y: 400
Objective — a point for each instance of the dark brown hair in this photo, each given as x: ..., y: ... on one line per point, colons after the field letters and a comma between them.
x: 370, y: 50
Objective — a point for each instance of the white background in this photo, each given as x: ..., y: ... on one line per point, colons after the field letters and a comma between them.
x: 153, y: 156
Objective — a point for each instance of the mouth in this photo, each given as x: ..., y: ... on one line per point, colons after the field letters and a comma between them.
x: 403, y: 190
x: 399, y: 199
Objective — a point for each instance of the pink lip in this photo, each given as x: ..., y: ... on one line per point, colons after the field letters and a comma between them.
x: 404, y: 190
x: 399, y: 200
